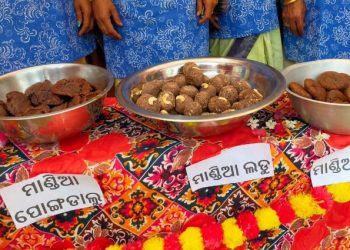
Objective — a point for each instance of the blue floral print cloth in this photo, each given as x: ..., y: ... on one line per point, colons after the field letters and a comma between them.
x: 326, y: 32
x: 245, y: 18
x: 36, y: 32
x: 155, y: 31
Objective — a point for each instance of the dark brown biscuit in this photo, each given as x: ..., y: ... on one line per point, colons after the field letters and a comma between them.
x: 315, y: 90
x: 40, y: 93
x: 59, y: 107
x: 72, y: 87
x: 38, y: 110
x: 17, y: 103
x: 298, y: 89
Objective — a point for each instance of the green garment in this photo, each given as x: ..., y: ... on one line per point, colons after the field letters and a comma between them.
x: 267, y: 49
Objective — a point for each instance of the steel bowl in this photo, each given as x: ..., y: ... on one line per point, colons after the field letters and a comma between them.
x: 331, y: 117
x: 54, y: 126
x: 267, y: 80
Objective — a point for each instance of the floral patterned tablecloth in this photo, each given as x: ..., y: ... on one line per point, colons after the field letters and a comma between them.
x: 143, y: 178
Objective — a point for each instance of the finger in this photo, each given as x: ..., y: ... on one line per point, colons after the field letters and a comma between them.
x: 92, y: 24
x: 79, y: 15
x: 300, y: 26
x: 293, y: 28
x: 116, y: 17
x: 199, y: 7
x: 205, y: 18
x: 110, y: 31
x: 101, y: 27
x: 86, y: 22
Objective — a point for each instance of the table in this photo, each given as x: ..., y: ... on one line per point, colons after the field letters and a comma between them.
x: 142, y: 175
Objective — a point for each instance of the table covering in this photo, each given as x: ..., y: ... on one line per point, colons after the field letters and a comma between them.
x: 142, y: 174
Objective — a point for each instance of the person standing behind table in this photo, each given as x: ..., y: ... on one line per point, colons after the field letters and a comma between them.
x: 44, y: 31
x: 316, y: 30
x: 248, y: 29
x: 149, y: 32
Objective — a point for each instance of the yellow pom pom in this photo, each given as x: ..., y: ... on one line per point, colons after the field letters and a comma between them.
x: 191, y: 239
x: 267, y: 218
x: 305, y: 206
x: 233, y: 235
x: 114, y: 247
x: 155, y: 243
x: 340, y: 192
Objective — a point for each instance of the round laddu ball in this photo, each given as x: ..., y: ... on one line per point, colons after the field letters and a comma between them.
x: 230, y: 93
x: 136, y: 93
x: 208, y: 88
x: 189, y: 90
x: 172, y: 87
x: 195, y: 77
x: 250, y: 94
x: 166, y: 100
x: 219, y: 81
x: 194, y: 109
x: 152, y: 87
x: 242, y: 104
x: 218, y: 104
x: 206, y: 79
x: 180, y: 79
x: 181, y: 101
x: 241, y: 85
x: 148, y: 102
x: 202, y: 98
x: 187, y: 66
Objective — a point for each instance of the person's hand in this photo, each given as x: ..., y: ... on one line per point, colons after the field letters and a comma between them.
x: 105, y: 12
x: 208, y: 6
x: 85, y: 19
x: 293, y: 17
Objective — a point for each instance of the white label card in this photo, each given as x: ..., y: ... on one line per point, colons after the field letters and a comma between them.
x: 50, y: 194
x: 242, y: 163
x: 331, y: 169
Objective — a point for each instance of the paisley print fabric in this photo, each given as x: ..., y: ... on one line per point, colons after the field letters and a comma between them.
x: 142, y: 174
x: 39, y: 32
x: 326, y: 32
x: 247, y: 17
x: 153, y: 32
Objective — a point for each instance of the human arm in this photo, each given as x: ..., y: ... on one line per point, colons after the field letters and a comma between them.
x: 85, y: 19
x: 208, y: 6
x: 293, y: 15
x: 105, y: 12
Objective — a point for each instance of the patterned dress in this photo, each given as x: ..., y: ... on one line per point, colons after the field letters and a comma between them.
x: 39, y: 32
x: 247, y: 17
x: 326, y: 32
x: 155, y: 31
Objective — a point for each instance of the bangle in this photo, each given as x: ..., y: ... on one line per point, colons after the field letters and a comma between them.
x: 288, y: 2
